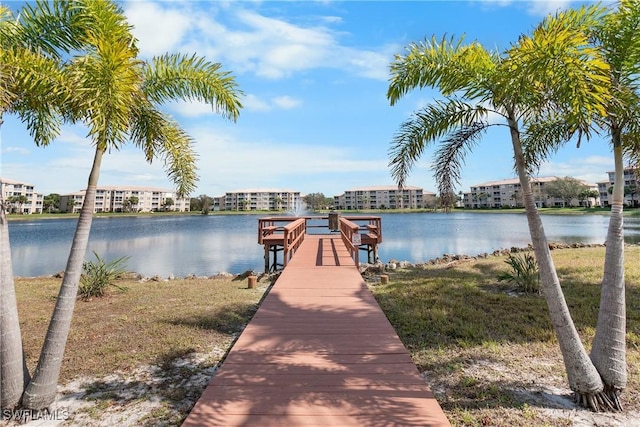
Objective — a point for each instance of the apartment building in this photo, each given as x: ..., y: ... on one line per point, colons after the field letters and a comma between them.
x: 631, y: 184
x: 259, y: 199
x: 508, y: 194
x: 20, y: 196
x: 384, y: 197
x: 127, y: 199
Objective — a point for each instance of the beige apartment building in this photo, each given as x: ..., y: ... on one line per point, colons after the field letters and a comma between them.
x: 127, y: 199
x: 384, y: 197
x: 632, y: 189
x: 12, y: 190
x: 508, y: 194
x: 259, y: 199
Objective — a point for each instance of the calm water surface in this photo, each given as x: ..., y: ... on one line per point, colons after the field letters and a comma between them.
x: 207, y: 245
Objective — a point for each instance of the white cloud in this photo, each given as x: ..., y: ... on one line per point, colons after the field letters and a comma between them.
x: 16, y: 150
x: 546, y: 7
x: 253, y: 103
x: 591, y: 168
x: 158, y: 29
x: 286, y: 102
x: 249, y: 42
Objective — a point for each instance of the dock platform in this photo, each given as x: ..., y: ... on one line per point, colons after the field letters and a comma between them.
x: 318, y: 352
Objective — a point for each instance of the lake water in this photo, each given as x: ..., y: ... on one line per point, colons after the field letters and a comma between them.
x: 207, y: 245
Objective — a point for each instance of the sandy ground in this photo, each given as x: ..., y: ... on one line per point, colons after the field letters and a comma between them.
x: 159, y: 397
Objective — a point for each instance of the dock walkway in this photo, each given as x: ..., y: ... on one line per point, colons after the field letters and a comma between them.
x: 318, y: 352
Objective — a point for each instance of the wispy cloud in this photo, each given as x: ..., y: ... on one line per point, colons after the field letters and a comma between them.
x: 16, y: 150
x: 267, y: 47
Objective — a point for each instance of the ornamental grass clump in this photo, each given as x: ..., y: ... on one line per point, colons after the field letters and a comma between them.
x: 524, y: 273
x: 98, y: 275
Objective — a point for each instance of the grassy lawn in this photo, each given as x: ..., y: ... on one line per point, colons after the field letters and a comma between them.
x: 489, y: 354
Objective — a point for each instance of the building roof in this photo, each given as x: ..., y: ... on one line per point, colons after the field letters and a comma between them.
x: 511, y: 181
x: 123, y: 188
x: 13, y: 182
x: 262, y: 190
x: 384, y: 188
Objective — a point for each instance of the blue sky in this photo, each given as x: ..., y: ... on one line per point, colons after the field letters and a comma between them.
x: 314, y: 76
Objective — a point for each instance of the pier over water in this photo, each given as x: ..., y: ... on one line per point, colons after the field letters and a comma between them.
x: 319, y: 351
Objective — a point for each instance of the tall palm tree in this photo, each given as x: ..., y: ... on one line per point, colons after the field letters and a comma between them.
x: 554, y: 71
x: 33, y: 87
x: 618, y: 36
x: 117, y: 96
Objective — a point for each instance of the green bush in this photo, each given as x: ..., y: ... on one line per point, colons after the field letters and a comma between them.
x: 524, y: 273
x: 97, y: 275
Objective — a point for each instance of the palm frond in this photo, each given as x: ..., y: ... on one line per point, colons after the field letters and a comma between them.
x: 575, y: 78
x: 177, y: 76
x: 445, y: 63
x: 427, y: 126
x: 543, y: 138
x: 161, y: 138
x: 449, y: 157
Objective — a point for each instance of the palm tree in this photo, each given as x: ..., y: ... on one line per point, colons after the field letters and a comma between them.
x: 33, y: 87
x: 525, y: 86
x: 116, y: 95
x: 618, y: 35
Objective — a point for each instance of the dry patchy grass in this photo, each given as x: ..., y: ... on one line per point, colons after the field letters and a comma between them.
x: 490, y: 354
x: 154, y: 322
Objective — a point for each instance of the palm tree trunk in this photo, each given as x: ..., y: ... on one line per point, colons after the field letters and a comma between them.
x: 583, y: 377
x: 41, y: 391
x: 13, y: 372
x: 609, y: 346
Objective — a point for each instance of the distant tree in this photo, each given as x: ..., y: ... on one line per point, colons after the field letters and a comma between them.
x: 204, y: 203
x: 17, y: 202
x: 447, y: 200
x: 317, y: 201
x: 195, y: 204
x: 51, y: 202
x: 168, y: 203
x: 133, y: 201
x: 279, y: 201
x: 566, y: 188
x: 71, y: 204
x: 585, y: 195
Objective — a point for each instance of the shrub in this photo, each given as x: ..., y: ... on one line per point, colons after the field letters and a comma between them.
x: 524, y: 273
x: 98, y: 274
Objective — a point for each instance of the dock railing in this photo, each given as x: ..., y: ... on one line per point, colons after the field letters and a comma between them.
x: 293, y: 236
x: 351, y: 237
x: 362, y: 232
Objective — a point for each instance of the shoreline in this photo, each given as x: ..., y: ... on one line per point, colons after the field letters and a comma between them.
x: 364, y: 268
x: 577, y: 211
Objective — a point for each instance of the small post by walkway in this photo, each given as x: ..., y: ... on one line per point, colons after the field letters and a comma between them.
x: 252, y: 280
x: 384, y: 279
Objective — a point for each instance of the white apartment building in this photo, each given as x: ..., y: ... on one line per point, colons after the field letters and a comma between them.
x: 122, y: 198
x: 632, y: 188
x: 11, y: 190
x: 259, y: 199
x: 508, y: 194
x: 384, y: 197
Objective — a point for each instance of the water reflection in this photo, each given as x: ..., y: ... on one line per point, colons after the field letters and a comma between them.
x: 207, y: 245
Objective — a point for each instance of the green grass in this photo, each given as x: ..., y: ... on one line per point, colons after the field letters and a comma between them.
x: 479, y: 343
x: 477, y: 340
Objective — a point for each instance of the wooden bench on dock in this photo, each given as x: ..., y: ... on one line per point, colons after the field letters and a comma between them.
x: 286, y: 233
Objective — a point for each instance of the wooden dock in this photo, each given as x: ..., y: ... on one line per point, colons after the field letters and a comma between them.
x: 318, y: 352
